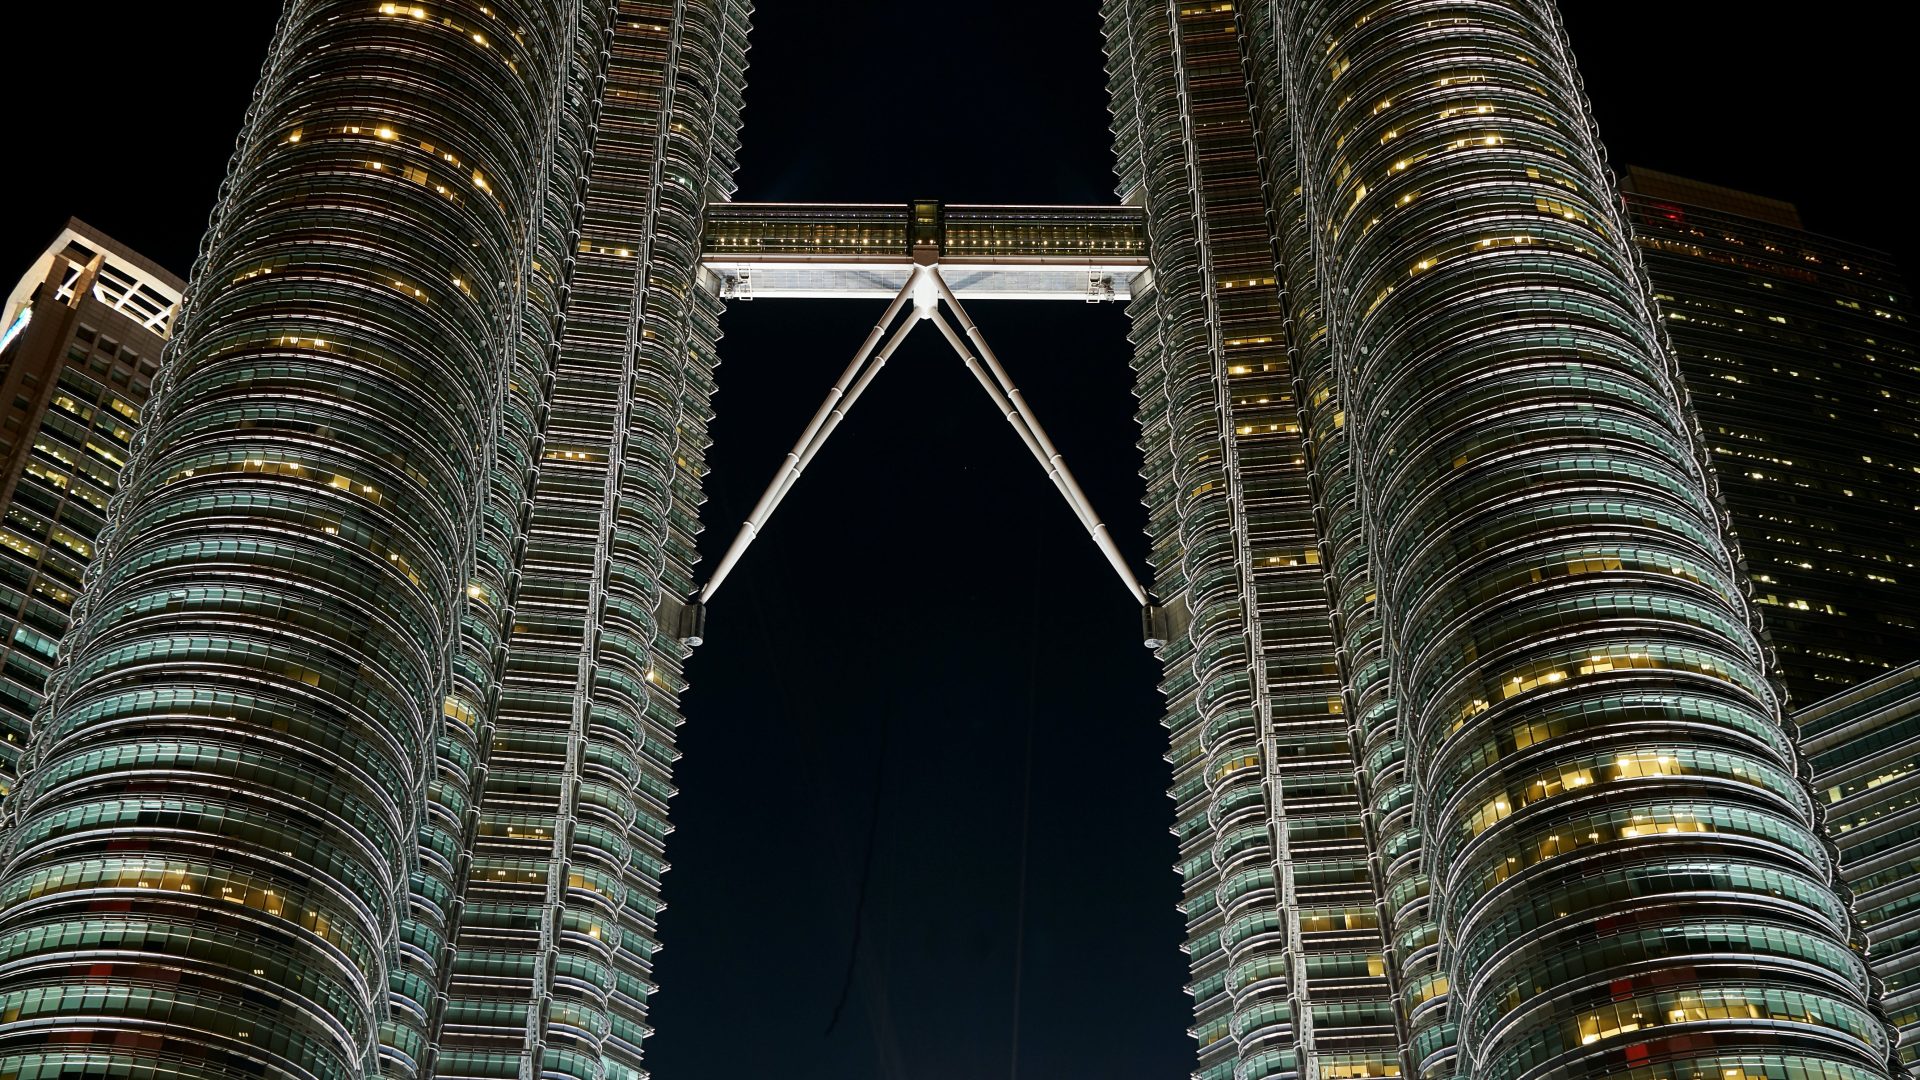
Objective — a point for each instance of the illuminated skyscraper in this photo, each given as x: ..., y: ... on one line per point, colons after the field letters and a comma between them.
x: 1472, y: 698
x: 1804, y: 365
x: 357, y: 761
x: 80, y: 346
x: 430, y: 401
x: 1801, y: 360
x: 1864, y: 745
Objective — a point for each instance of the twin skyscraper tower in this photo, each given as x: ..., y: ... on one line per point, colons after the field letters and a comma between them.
x: 359, y: 755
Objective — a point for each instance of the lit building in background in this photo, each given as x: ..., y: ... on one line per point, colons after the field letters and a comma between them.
x: 563, y: 845
x: 82, y: 338
x: 1804, y: 367
x: 358, y: 758
x: 1864, y: 746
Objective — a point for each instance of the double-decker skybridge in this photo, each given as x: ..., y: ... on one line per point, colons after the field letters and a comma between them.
x: 823, y: 250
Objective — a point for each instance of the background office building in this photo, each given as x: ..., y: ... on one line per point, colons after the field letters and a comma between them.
x: 1864, y: 746
x: 81, y: 344
x: 1802, y: 360
x: 358, y: 757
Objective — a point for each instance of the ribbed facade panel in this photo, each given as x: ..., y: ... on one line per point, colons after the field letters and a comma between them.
x: 1625, y: 869
x: 1864, y: 745
x: 555, y: 945
x: 426, y: 946
x: 1803, y: 363
x: 1593, y: 845
x: 217, y: 829
x: 1288, y: 974
x: 1380, y: 776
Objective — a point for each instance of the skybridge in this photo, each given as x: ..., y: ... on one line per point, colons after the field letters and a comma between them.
x: 857, y: 250
x: 924, y: 258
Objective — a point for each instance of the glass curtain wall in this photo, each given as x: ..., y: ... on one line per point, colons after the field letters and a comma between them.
x: 1592, y: 843
x: 562, y: 888
x: 1288, y: 974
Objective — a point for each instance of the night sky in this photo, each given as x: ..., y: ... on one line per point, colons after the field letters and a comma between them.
x: 924, y: 668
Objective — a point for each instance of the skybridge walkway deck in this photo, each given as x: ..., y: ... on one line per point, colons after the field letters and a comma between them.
x: 823, y: 250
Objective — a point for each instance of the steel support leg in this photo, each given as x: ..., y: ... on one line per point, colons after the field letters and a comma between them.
x: 839, y: 399
x: 1007, y: 397
x: 993, y: 379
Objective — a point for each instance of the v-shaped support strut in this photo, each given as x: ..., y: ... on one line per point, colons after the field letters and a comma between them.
x: 927, y: 289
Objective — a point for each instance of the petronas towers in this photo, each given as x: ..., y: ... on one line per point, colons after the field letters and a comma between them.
x: 359, y: 756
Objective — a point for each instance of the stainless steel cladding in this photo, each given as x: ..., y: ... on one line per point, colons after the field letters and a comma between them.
x: 216, y: 830
x: 1592, y: 849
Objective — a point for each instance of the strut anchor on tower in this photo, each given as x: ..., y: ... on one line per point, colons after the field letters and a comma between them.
x: 1165, y: 622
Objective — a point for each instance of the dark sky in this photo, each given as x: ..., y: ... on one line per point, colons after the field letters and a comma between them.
x: 923, y: 625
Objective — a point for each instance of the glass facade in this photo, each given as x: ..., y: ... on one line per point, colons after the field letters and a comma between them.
x: 561, y: 888
x: 1804, y: 369
x: 422, y: 461
x: 1284, y: 939
x: 1591, y: 850
x: 1864, y: 746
